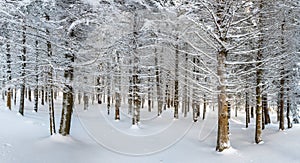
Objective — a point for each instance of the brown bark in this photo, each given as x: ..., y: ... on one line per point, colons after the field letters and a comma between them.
x: 222, y: 137
x: 258, y: 128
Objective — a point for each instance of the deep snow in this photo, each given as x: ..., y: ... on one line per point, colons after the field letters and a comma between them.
x: 97, y: 138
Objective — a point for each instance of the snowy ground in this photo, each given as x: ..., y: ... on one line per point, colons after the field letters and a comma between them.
x: 96, y: 137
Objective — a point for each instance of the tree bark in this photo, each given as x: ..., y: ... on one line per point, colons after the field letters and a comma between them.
x: 258, y: 127
x: 23, y: 66
x: 247, y: 110
x: 222, y: 137
x: 158, y: 85
x: 176, y: 85
x: 118, y: 88
x: 36, y: 88
x: 8, y: 71
x: 68, y: 95
x: 288, y: 103
x: 135, y: 75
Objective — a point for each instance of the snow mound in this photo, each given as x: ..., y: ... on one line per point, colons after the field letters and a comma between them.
x: 62, y: 139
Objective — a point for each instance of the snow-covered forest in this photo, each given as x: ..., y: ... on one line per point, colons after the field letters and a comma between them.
x: 139, y: 76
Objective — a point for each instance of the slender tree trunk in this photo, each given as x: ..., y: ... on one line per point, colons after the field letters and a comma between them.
x: 51, y: 108
x: 282, y: 80
x: 50, y: 94
x: 43, y: 96
x: 185, y: 93
x: 130, y: 91
x: 15, y: 96
x: 267, y: 119
x: 108, y: 88
x: 29, y: 94
x: 79, y: 98
x: 158, y: 85
x: 176, y: 85
x: 196, y: 110
x: 281, y: 109
x: 8, y: 103
x: 118, y: 104
x: 247, y: 110
x: 85, y: 101
x: 258, y: 129
x: 36, y: 88
x: 8, y: 71
x: 168, y: 99
x: 204, y: 107
x: 118, y: 88
x: 288, y: 103
x: 23, y: 58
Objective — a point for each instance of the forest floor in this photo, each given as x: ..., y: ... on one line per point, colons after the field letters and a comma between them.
x: 96, y: 137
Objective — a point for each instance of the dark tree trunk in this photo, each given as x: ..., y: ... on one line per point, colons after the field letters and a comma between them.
x: 23, y: 58
x: 281, y: 109
x: 288, y: 103
x: 43, y: 96
x: 204, y: 106
x: 36, y: 88
x: 8, y: 71
x: 247, y: 110
x: 29, y: 94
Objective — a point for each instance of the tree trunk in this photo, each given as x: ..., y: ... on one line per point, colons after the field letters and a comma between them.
x: 108, y: 88
x: 204, y: 107
x: 23, y: 58
x: 118, y: 105
x: 158, y: 85
x: 51, y: 108
x: 36, y: 88
x: 29, y: 94
x: 252, y: 112
x: 15, y: 96
x: 288, y: 103
x: 258, y: 129
x: 281, y: 109
x: 247, y: 110
x: 118, y: 88
x: 43, y: 96
x: 68, y: 94
x: 85, y: 101
x: 222, y: 137
x: 8, y: 102
x: 282, y: 80
x: 130, y: 90
x: 176, y: 86
x: 267, y: 119
x: 8, y: 71
x: 135, y: 75
x: 259, y: 75
x: 79, y: 98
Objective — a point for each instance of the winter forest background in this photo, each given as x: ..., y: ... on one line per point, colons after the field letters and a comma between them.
x: 180, y: 59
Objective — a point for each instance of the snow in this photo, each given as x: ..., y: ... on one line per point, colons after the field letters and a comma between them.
x: 97, y: 137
